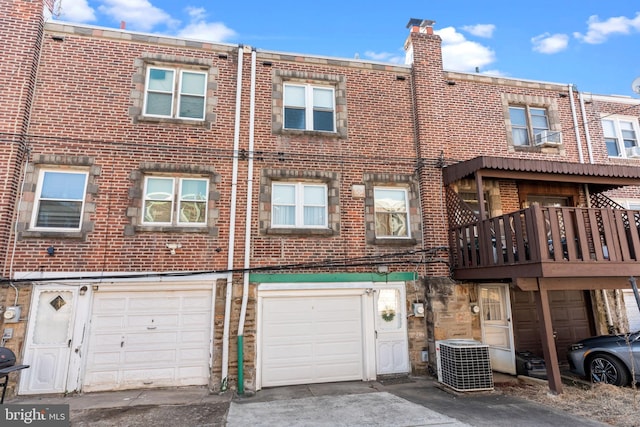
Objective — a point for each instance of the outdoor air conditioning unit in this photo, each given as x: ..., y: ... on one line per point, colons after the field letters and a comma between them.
x: 548, y: 138
x: 633, y: 152
x: 464, y: 365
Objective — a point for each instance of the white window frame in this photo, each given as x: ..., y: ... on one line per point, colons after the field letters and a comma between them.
x: 309, y: 106
x: 38, y: 199
x: 406, y: 212
x: 622, y: 149
x: 299, y: 205
x: 176, y: 93
x: 532, y: 131
x: 632, y: 204
x: 176, y: 199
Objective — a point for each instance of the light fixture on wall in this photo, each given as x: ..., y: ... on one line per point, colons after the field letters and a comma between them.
x: 83, y: 290
x: 173, y: 246
x: 51, y: 251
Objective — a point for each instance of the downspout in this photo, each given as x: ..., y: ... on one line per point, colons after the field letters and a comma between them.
x: 587, y: 135
x: 247, y: 230
x: 575, y: 123
x: 232, y: 227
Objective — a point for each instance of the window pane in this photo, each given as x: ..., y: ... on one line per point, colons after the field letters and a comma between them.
x: 159, y: 104
x: 59, y: 214
x: 323, y: 120
x: 390, y: 200
x: 193, y: 83
x: 314, y: 195
x: 314, y: 215
x: 193, y: 189
x: 520, y: 137
x: 518, y: 116
x: 539, y: 122
x: 391, y: 213
x: 61, y: 185
x: 284, y: 215
x: 323, y: 98
x: 157, y: 211
x: 294, y: 96
x: 284, y: 194
x: 388, y: 309
x: 294, y: 118
x: 160, y: 80
x: 191, y: 107
x: 193, y: 212
x: 612, y: 147
x: 159, y: 189
x: 608, y: 128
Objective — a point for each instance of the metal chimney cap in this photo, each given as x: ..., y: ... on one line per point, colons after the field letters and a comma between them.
x: 422, y: 23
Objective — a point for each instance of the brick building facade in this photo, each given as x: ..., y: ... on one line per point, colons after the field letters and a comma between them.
x: 172, y: 208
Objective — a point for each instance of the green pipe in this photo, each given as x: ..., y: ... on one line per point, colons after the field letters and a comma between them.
x: 240, y: 365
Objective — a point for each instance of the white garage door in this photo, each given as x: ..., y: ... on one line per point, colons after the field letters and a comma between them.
x: 311, y: 339
x: 148, y: 339
x: 632, y: 310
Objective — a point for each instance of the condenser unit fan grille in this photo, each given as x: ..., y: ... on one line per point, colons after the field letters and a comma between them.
x: 464, y: 365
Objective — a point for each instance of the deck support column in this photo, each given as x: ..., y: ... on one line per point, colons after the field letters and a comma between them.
x: 547, y: 338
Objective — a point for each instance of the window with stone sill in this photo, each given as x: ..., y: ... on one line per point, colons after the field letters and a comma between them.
x: 59, y: 200
x: 532, y: 122
x: 299, y: 203
x: 309, y: 103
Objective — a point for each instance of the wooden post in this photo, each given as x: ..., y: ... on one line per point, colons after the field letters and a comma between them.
x: 547, y: 338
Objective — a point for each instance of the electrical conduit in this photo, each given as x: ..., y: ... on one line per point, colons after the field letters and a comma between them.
x: 247, y: 231
x: 232, y: 227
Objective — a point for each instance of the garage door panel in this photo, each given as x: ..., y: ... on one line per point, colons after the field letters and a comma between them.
x: 311, y: 339
x: 165, y: 340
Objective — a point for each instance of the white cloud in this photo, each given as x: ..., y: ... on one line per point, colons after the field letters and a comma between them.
x: 598, y: 31
x: 547, y: 43
x: 460, y: 54
x: 199, y: 29
x: 480, y: 30
x: 139, y: 15
x: 75, y: 11
x: 385, y: 57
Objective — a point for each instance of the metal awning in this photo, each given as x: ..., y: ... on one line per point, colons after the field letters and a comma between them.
x: 603, y: 176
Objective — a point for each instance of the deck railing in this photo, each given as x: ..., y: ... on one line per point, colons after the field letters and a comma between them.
x: 548, y: 234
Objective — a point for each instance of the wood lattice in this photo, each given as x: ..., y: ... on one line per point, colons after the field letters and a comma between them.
x: 460, y: 213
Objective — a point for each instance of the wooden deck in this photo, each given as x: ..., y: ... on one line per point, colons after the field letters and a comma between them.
x: 547, y: 242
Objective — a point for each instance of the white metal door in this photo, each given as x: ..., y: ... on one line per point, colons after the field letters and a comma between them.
x: 49, y: 340
x: 497, y: 328
x: 392, y: 353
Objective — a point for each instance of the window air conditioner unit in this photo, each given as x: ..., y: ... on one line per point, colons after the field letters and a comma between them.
x: 548, y: 138
x: 633, y: 152
x: 464, y: 365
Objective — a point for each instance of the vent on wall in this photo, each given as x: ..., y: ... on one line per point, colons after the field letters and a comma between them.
x: 464, y: 365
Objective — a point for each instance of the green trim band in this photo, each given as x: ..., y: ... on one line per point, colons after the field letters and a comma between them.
x: 331, y: 277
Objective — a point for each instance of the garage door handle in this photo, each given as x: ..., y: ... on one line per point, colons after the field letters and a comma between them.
x: 151, y: 327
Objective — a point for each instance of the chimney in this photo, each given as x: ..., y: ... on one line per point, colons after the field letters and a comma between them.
x: 421, y: 26
x: 123, y: 25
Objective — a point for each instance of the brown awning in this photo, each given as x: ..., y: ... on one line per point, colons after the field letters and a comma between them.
x: 603, y: 176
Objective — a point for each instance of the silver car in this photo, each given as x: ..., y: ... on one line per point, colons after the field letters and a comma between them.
x: 611, y: 359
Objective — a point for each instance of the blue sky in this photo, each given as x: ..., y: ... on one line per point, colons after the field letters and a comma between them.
x: 594, y: 44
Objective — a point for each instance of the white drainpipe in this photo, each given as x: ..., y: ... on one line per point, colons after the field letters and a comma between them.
x: 587, y: 134
x: 232, y: 227
x: 247, y: 231
x: 575, y: 124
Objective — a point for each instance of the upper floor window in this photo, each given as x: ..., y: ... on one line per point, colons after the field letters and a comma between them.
x: 175, y: 201
x: 309, y: 107
x: 59, y: 200
x: 391, y: 212
x: 621, y: 136
x: 175, y: 93
x: 299, y: 205
x: 530, y: 126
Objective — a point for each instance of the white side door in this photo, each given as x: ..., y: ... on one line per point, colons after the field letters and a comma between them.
x: 49, y: 341
x: 392, y: 352
x: 497, y: 328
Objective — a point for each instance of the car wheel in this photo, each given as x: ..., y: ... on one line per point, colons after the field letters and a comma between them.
x: 607, y: 369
